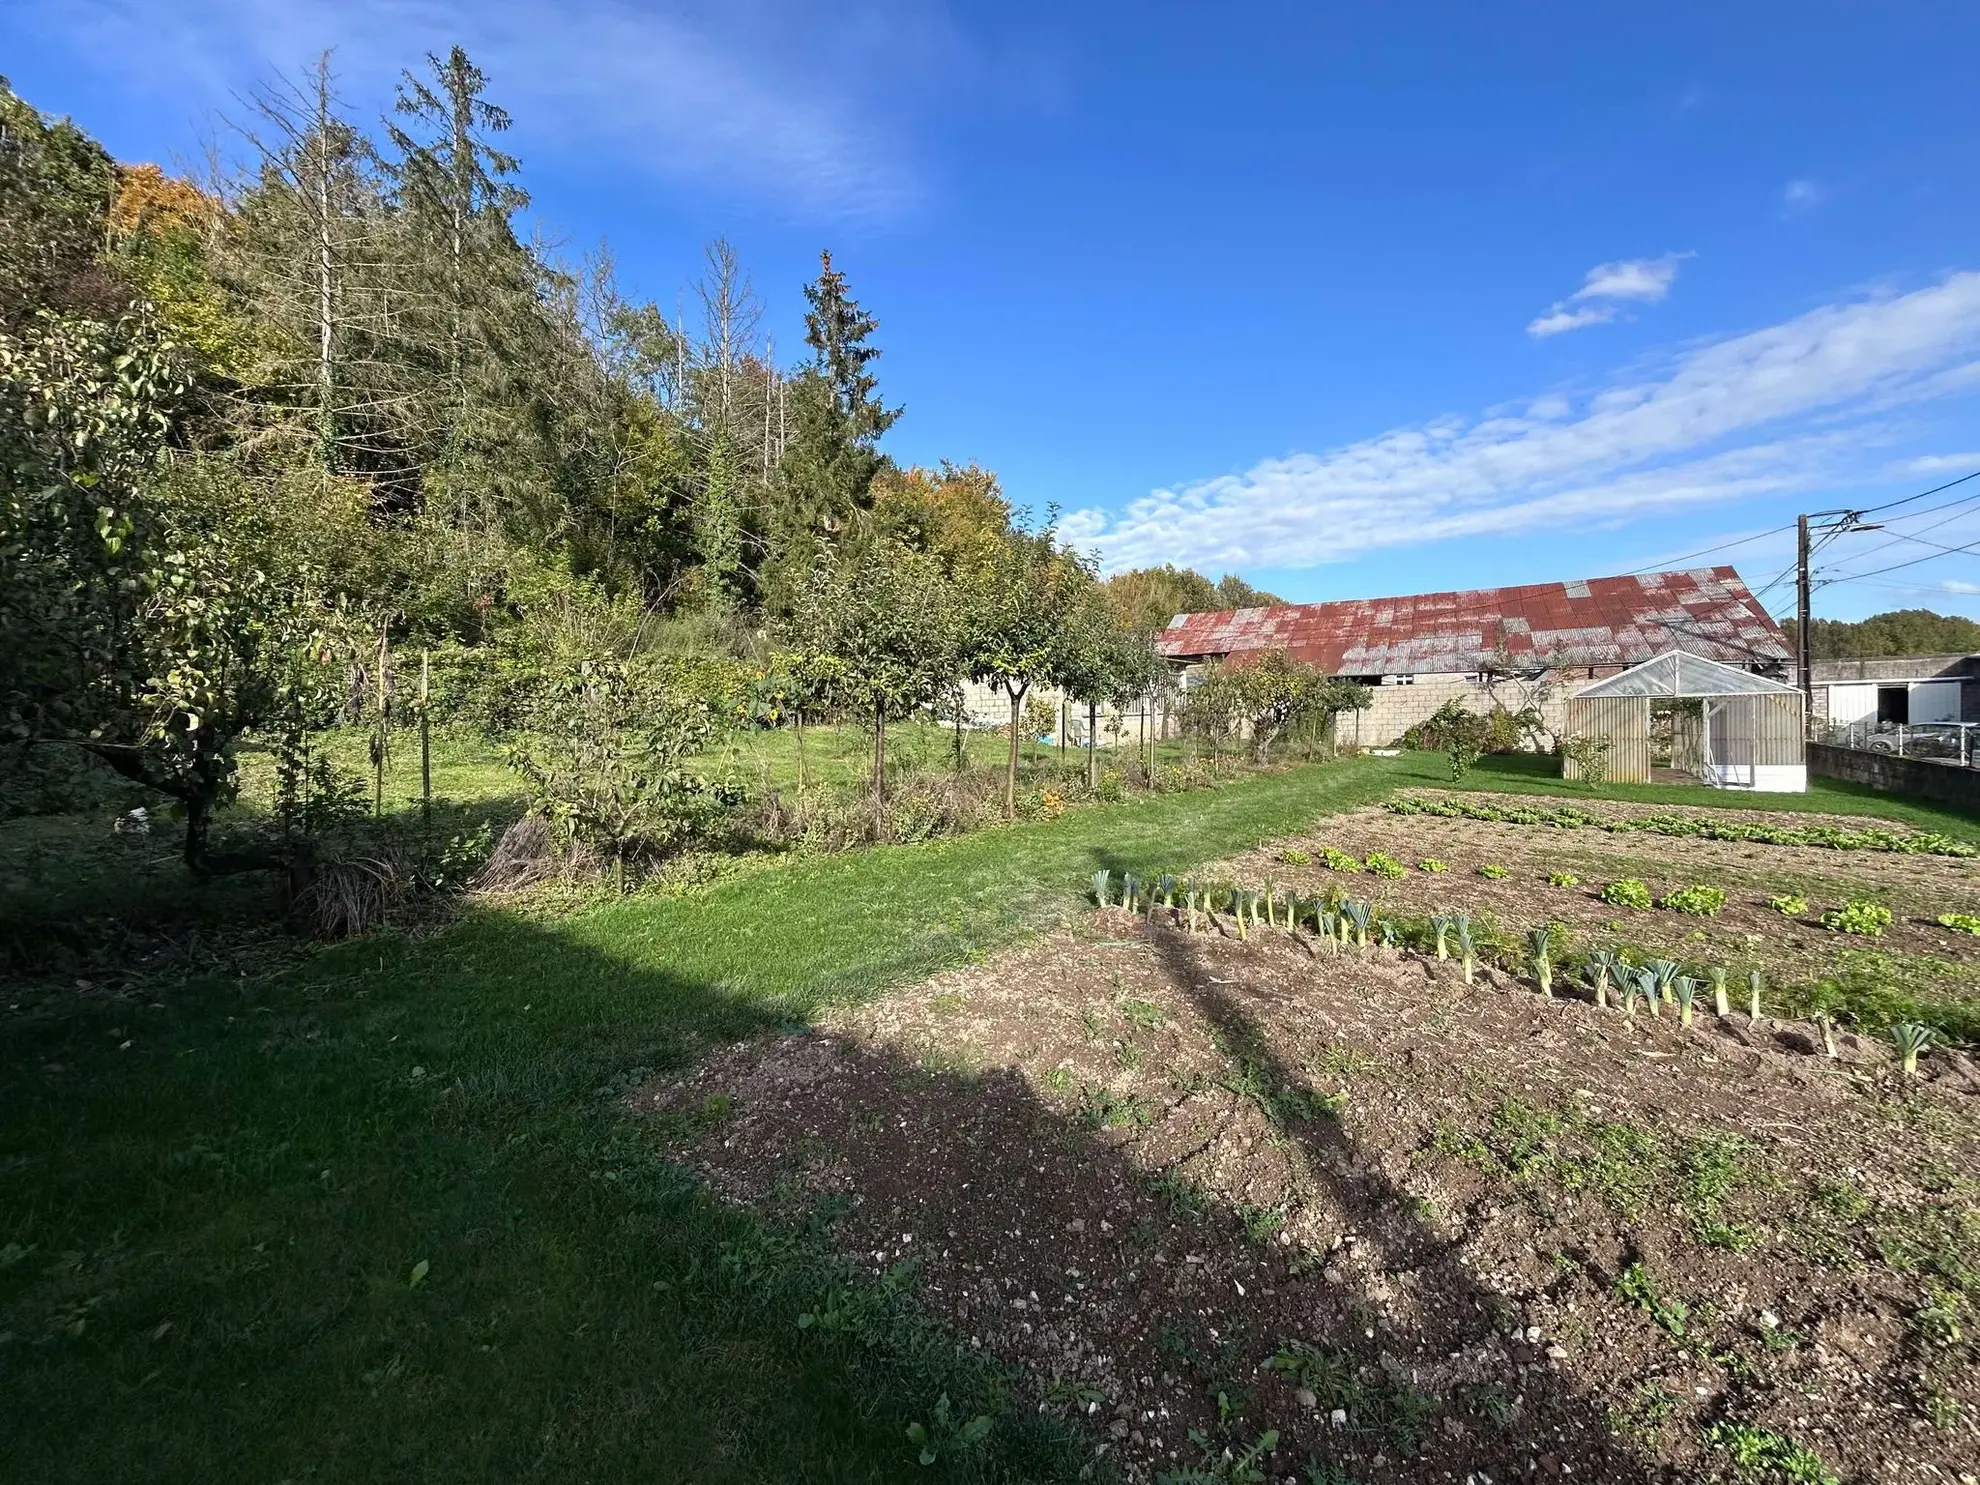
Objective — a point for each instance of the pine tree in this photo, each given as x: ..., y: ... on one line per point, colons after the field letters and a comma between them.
x: 838, y: 420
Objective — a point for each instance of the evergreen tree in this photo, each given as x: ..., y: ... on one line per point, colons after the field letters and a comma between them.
x: 838, y: 419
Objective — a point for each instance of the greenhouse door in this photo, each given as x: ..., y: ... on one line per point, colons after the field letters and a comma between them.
x: 1728, y: 750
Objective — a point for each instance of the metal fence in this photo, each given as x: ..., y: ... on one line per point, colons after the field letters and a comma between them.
x: 1943, y: 742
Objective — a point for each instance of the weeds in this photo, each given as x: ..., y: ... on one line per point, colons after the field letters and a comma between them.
x: 1762, y: 1457
x: 1637, y: 1286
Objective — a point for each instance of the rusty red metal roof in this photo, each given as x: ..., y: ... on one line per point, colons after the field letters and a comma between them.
x: 1612, y: 621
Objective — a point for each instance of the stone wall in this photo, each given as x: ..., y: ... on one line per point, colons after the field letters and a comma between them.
x: 1919, y: 778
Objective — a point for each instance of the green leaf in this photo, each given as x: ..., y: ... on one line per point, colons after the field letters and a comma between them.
x: 419, y: 1271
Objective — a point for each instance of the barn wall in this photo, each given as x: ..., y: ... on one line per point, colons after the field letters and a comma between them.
x: 1396, y: 709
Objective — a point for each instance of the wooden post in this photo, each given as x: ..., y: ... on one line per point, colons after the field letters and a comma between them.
x: 425, y: 740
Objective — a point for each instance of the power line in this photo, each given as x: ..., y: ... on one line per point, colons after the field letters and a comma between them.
x: 1958, y: 507
x: 1897, y: 566
x: 1894, y: 504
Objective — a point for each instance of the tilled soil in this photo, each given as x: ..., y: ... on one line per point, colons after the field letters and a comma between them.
x: 1748, y: 933
x: 1202, y: 1189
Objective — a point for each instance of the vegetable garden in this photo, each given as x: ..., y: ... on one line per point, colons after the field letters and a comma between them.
x: 1348, y: 1159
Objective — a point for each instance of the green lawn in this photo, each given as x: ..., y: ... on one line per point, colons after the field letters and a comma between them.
x: 215, y: 1199
x: 215, y: 1195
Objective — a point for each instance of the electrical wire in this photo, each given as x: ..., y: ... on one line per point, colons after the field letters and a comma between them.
x: 1894, y: 504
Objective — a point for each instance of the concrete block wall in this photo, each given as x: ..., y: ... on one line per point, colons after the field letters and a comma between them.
x: 1396, y: 709
x: 1920, y: 778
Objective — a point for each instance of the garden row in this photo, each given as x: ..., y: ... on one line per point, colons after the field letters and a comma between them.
x: 1610, y: 977
x: 1858, y: 916
x: 1693, y: 827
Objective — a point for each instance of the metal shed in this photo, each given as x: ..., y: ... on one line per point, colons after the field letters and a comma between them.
x: 1727, y: 727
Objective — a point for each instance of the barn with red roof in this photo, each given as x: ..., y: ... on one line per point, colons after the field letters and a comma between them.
x: 1514, y: 648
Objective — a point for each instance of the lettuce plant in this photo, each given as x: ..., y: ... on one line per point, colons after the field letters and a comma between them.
x: 1432, y: 864
x: 1384, y: 866
x: 1789, y: 905
x: 1699, y: 902
x: 1493, y: 872
x: 1960, y: 922
x: 1859, y: 916
x: 1563, y: 879
x: 1629, y: 892
x: 1294, y: 856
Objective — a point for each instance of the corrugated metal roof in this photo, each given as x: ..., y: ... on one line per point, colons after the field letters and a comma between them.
x: 1599, y: 621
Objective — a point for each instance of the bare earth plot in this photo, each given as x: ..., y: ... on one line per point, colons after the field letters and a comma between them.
x: 1269, y: 1205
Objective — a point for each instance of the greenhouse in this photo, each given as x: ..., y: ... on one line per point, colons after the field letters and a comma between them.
x: 1680, y: 718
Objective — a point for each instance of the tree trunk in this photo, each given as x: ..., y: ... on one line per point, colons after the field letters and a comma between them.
x: 961, y: 752
x: 879, y: 752
x: 1010, y: 774
x: 798, y: 714
x: 1092, y: 745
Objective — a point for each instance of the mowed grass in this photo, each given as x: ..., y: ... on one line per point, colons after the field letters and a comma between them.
x: 386, y: 1218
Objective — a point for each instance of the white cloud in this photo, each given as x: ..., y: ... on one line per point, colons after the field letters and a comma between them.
x: 1930, y: 464
x: 753, y: 97
x: 1649, y: 279
x: 1604, y: 288
x: 1785, y: 408
x: 1561, y: 318
x: 1954, y: 585
x: 1801, y: 195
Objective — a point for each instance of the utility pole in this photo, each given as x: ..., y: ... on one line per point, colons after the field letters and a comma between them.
x: 1832, y: 523
x: 1804, y: 646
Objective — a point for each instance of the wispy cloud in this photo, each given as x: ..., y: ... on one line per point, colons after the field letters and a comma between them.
x: 1802, y: 194
x: 1607, y: 287
x: 752, y: 97
x: 1785, y: 408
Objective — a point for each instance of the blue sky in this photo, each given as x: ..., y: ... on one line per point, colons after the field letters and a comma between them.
x: 1352, y: 299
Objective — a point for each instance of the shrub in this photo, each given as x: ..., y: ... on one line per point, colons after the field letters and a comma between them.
x: 1699, y: 902
x: 1432, y: 864
x: 1590, y: 756
x: 1294, y: 856
x: 1788, y: 905
x: 1384, y: 866
x: 1860, y: 916
x: 1339, y: 860
x: 1493, y: 872
x: 1563, y: 879
x: 1960, y: 922
x: 1626, y: 892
